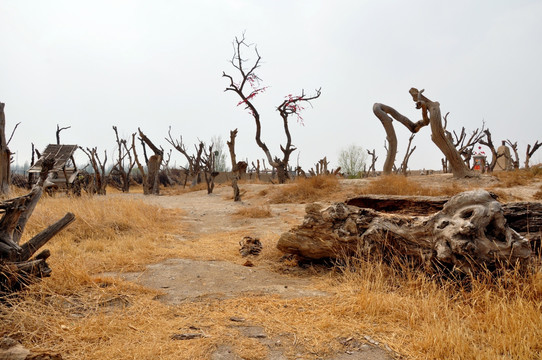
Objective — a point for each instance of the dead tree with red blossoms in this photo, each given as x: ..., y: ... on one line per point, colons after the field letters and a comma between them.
x: 248, y: 87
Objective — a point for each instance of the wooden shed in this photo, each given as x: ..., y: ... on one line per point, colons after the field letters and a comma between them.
x: 64, y: 171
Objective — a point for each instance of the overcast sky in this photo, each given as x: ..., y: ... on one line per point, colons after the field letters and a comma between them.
x: 155, y: 64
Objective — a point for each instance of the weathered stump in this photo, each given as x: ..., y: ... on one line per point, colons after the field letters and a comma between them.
x: 469, y: 233
x: 17, y: 267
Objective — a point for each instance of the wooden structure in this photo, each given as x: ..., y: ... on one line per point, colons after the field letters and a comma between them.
x: 64, y: 171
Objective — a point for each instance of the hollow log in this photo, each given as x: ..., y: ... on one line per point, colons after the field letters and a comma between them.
x: 468, y: 234
x: 524, y: 217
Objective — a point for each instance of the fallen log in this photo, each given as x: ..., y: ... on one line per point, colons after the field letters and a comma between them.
x: 524, y: 217
x: 17, y: 267
x: 469, y: 233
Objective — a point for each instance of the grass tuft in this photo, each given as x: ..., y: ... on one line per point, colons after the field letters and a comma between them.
x: 254, y: 212
x: 304, y: 190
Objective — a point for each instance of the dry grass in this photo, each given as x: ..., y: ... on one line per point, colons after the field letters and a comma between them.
x: 402, y: 185
x: 254, y: 212
x: 84, y: 314
x: 519, y: 177
x: 305, y: 190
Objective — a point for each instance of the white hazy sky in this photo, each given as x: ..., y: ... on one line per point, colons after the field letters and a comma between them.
x: 155, y: 64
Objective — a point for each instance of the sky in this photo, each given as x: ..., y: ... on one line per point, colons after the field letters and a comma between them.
x: 158, y: 64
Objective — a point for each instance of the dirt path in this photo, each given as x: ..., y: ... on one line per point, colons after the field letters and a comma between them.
x: 183, y: 280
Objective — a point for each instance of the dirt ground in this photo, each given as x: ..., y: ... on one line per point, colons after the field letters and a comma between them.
x: 182, y: 280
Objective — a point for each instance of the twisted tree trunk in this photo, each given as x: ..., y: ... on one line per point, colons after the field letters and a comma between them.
x: 469, y: 234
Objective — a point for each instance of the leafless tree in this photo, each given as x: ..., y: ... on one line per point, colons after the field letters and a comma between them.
x: 99, y: 183
x: 530, y: 152
x: 374, y: 158
x: 292, y: 105
x: 408, y: 153
x: 494, y: 155
x: 5, y: 154
x: 151, y: 183
x: 125, y: 163
x: 234, y: 167
x: 430, y: 116
x: 58, y: 130
x: 465, y: 146
x: 514, y: 147
x: 208, y: 161
x: 194, y: 161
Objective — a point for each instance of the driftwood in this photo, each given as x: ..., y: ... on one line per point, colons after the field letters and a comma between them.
x: 468, y: 233
x: 17, y: 267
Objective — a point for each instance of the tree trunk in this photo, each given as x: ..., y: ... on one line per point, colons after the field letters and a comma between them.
x: 469, y: 234
x: 5, y: 154
x: 234, y: 166
x: 459, y: 168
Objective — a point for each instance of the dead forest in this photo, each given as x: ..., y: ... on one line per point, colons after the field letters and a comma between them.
x: 343, y: 242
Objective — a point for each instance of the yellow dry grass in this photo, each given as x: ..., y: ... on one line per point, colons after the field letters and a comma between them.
x: 254, y: 212
x: 84, y: 314
x: 305, y: 190
x: 402, y: 185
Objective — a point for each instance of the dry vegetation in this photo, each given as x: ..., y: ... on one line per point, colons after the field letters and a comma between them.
x: 85, y: 314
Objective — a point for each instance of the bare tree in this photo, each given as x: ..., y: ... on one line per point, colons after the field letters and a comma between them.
x: 383, y: 113
x: 125, y: 163
x: 194, y: 161
x: 234, y: 167
x: 5, y: 155
x: 465, y: 146
x: 514, y: 147
x: 374, y: 158
x: 494, y: 155
x: 530, y: 152
x: 99, y: 177
x: 208, y: 165
x: 58, y: 130
x: 408, y: 153
x: 151, y: 183
x: 430, y: 116
x: 292, y: 105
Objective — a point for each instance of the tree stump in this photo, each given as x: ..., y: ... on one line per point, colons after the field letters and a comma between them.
x: 17, y: 267
x: 468, y: 234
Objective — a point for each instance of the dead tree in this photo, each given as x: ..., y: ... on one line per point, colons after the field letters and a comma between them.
x: 514, y: 147
x: 292, y: 105
x: 17, y: 267
x: 99, y: 183
x: 383, y: 113
x: 408, y: 153
x: 372, y: 168
x: 194, y: 161
x: 464, y: 146
x: 256, y: 169
x: 151, y: 181
x: 124, y: 165
x: 530, y: 152
x: 489, y: 143
x: 58, y: 130
x: 208, y: 165
x: 234, y: 167
x: 470, y: 234
x: 321, y: 167
x: 431, y: 113
x: 430, y: 116
x: 5, y: 154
